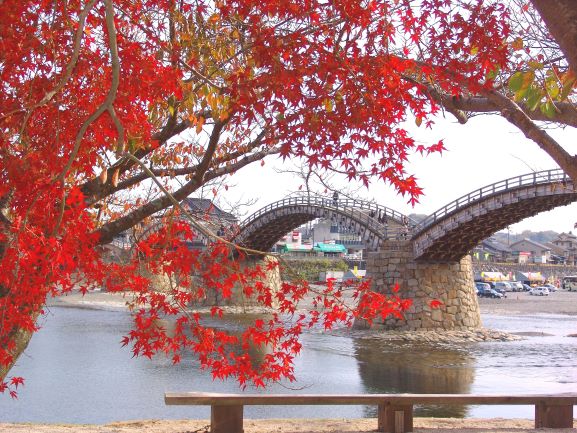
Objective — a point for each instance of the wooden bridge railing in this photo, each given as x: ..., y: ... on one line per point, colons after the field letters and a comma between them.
x: 554, y: 176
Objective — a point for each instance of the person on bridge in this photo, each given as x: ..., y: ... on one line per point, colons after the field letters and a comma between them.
x: 336, y: 198
x: 405, y: 233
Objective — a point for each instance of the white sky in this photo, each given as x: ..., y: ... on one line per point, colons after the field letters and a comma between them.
x: 485, y: 150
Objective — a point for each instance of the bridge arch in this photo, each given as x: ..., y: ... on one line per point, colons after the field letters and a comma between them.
x: 451, y: 232
x: 373, y: 222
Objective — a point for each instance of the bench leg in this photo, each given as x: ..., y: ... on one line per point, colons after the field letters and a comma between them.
x: 226, y: 419
x: 395, y: 418
x: 553, y: 416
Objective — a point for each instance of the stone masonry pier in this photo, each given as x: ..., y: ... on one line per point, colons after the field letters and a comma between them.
x: 450, y: 283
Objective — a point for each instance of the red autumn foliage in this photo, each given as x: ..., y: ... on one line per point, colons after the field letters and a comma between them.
x: 198, y: 90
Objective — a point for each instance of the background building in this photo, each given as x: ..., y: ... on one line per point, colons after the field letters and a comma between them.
x: 530, y: 251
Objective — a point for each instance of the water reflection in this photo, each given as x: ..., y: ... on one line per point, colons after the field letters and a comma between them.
x: 389, y: 367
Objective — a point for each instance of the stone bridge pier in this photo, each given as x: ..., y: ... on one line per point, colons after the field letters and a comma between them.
x: 450, y: 283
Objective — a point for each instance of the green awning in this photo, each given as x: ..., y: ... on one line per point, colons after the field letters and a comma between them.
x: 296, y: 248
x: 330, y: 248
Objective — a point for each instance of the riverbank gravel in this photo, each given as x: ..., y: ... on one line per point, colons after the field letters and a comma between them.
x: 422, y: 425
x: 521, y: 303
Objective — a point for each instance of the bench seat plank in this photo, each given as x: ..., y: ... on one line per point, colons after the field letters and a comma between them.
x: 207, y: 398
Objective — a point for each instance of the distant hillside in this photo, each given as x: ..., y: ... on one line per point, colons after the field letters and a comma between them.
x: 418, y: 217
x: 541, y: 237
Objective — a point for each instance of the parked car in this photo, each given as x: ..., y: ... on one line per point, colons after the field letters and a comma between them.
x: 502, y: 287
x: 526, y: 287
x: 539, y: 291
x: 480, y: 286
x: 516, y: 286
x: 551, y: 287
x: 490, y: 293
x: 496, y: 295
x: 569, y: 282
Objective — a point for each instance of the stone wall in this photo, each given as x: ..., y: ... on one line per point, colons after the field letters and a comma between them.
x: 450, y: 283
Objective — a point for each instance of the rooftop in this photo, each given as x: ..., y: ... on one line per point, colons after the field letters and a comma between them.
x: 205, y: 207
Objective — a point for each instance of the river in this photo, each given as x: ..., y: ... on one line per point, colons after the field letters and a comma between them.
x: 77, y: 372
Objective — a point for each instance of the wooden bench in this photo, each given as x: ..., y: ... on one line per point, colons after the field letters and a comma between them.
x: 395, y: 411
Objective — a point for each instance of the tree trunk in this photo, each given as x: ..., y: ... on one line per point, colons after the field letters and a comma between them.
x: 561, y: 19
x: 21, y: 340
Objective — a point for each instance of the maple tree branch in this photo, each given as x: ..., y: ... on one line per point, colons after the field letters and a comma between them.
x: 210, y: 150
x: 232, y: 168
x: 112, y: 228
x: 94, y: 189
x: 67, y: 71
x: 443, y: 100
x: 516, y: 116
x: 182, y: 171
x: 106, y: 105
x: 459, y: 106
x: 202, y: 229
x: 565, y: 113
x: 111, y: 96
x: 108, y: 230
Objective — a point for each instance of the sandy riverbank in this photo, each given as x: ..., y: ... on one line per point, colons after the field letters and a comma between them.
x: 422, y: 425
x: 516, y: 303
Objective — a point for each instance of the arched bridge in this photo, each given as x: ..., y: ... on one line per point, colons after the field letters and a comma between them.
x: 452, y: 231
x: 447, y: 235
x: 373, y: 222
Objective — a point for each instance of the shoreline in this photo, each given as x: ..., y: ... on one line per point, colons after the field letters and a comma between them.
x: 357, y: 425
x: 516, y: 303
